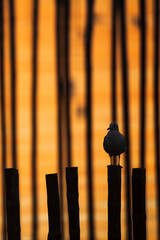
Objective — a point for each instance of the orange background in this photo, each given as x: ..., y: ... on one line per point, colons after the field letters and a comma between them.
x: 47, y: 107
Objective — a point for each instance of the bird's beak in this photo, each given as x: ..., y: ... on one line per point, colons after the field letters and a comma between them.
x: 108, y: 128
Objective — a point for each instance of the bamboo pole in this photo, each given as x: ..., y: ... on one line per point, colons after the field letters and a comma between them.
x: 156, y: 86
x: 12, y: 203
x: 138, y: 198
x: 13, y: 83
x: 34, y: 118
x: 73, y: 204
x: 3, y: 117
x: 53, y: 207
x: 126, y: 119
x: 89, y: 105
x: 114, y: 202
x: 143, y: 82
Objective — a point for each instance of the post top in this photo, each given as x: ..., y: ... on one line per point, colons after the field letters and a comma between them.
x: 114, y: 166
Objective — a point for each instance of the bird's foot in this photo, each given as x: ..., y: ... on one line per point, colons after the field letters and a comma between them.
x: 119, y: 161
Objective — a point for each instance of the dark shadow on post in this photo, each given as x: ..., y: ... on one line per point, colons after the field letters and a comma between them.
x: 139, y: 208
x: 34, y: 119
x: 156, y: 87
x: 73, y: 203
x: 53, y: 207
x: 13, y: 81
x: 114, y: 202
x: 3, y: 115
x: 12, y: 203
x: 88, y: 69
x: 126, y: 114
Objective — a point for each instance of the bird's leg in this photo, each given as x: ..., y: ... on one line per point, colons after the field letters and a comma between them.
x: 114, y: 160
x: 111, y: 159
x: 119, y: 161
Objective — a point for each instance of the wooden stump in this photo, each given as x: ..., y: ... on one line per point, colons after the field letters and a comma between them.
x: 53, y: 207
x: 73, y: 204
x: 12, y: 203
x: 138, y: 198
x: 114, y: 202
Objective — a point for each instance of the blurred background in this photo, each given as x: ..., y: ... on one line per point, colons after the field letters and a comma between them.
x: 68, y: 69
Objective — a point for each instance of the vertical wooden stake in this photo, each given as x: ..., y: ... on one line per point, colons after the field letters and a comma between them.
x: 114, y: 202
x: 12, y: 203
x: 138, y: 198
x: 73, y: 204
x: 53, y: 207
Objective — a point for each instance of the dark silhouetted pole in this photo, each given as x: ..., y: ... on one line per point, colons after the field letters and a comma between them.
x: 125, y: 98
x: 114, y: 202
x: 63, y: 91
x: 34, y: 119
x: 59, y: 109
x: 143, y: 82
x: 53, y: 207
x: 63, y: 74
x: 156, y: 87
x: 113, y: 56
x: 73, y: 203
x: 13, y: 81
x: 12, y: 203
x: 68, y: 102
x: 88, y: 69
x: 138, y: 198
x: 3, y: 115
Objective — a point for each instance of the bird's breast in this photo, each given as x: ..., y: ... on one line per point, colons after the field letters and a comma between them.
x: 114, y: 143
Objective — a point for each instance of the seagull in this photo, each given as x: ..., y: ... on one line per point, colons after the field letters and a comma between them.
x: 114, y: 142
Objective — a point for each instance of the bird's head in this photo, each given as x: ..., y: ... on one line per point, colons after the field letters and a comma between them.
x: 113, y: 126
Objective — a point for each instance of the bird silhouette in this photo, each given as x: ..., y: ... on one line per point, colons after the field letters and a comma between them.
x: 114, y: 142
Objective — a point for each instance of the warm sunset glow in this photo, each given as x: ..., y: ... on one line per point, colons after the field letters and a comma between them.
x: 47, y: 149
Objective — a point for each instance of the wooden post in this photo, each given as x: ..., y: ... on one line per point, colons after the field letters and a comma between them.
x: 73, y: 204
x: 12, y: 203
x: 53, y: 207
x: 138, y: 198
x: 114, y: 202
